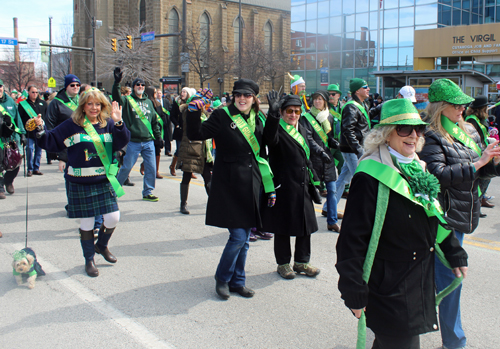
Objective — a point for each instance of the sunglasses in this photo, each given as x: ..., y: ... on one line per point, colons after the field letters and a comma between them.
x: 74, y: 85
x: 246, y: 95
x: 332, y: 94
x: 406, y: 130
x: 458, y: 106
x: 293, y: 111
x: 365, y: 87
x: 142, y: 85
x: 1, y: 86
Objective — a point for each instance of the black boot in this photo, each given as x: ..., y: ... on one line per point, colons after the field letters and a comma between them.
x: 207, y: 188
x: 184, y: 196
x: 222, y: 288
x: 87, y: 241
x: 101, y: 245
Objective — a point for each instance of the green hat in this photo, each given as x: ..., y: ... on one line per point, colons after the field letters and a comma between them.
x: 297, y: 79
x: 445, y: 90
x: 356, y: 83
x: 334, y: 88
x: 14, y: 91
x: 399, y: 112
x: 216, y: 103
x: 1, y: 82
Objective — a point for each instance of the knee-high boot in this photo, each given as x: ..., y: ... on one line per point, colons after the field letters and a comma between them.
x: 101, y: 245
x: 158, y: 175
x: 184, y: 196
x: 87, y: 241
x: 172, y: 165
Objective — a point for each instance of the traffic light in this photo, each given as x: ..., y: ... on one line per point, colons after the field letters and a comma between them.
x: 113, y: 44
x: 129, y: 41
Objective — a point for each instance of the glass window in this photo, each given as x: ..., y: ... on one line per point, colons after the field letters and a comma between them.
x: 446, y: 2
x: 444, y: 15
x: 406, y: 16
x: 390, y: 38
x: 335, y: 25
x: 335, y: 76
x: 205, y: 38
x: 349, y: 23
x: 362, y: 5
x: 236, y: 35
x: 373, y: 38
x: 475, y: 19
x: 489, y: 2
x: 457, y: 3
x: 405, y: 56
x: 391, y: 18
x: 423, y: 27
x: 348, y: 42
x: 390, y: 57
x: 335, y: 8
x: 298, y: 26
x: 374, y: 4
x: 388, y: 4
x: 466, y: 5
x: 347, y: 75
x: 374, y: 20
x: 335, y: 43
x: 323, y: 44
x: 362, y: 39
x: 334, y: 60
x: 456, y: 17
x: 142, y: 12
x: 426, y: 14
x: 361, y: 58
x: 312, y: 11
x: 323, y: 26
x: 498, y: 14
x: 465, y: 17
x: 298, y: 2
x: 348, y: 59
x: 423, y: 2
x: 348, y: 6
x: 173, y: 43
x: 268, y: 37
x: 298, y: 14
x: 361, y: 21
x: 323, y: 9
x: 404, y: 3
x: 311, y: 27
x: 406, y: 36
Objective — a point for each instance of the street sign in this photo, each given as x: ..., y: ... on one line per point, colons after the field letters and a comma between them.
x: 8, y: 41
x: 185, y: 68
x: 323, y: 76
x: 149, y: 36
x: 33, y: 43
x: 51, y: 82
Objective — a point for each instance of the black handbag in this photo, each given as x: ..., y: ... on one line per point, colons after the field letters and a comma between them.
x: 12, y: 158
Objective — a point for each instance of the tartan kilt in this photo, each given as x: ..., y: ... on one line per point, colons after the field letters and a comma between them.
x: 90, y: 200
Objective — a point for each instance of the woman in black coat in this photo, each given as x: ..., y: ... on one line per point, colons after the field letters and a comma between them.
x: 236, y: 183
x: 293, y: 213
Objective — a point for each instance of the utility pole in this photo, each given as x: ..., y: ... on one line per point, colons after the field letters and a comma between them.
x: 50, y: 47
x: 95, y: 25
x: 183, y: 37
x: 240, y: 39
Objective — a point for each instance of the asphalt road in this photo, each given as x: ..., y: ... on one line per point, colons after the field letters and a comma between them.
x: 161, y: 293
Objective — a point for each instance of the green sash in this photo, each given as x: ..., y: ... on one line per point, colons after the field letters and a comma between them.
x: 363, y: 110
x: 161, y: 123
x: 336, y: 118
x: 5, y: 112
x: 208, y: 144
x: 265, y: 171
x: 481, y: 126
x: 165, y: 111
x: 29, y: 109
x: 460, y: 135
x: 292, y: 131
x: 111, y: 169
x: 317, y: 127
x: 139, y: 112
x: 71, y: 105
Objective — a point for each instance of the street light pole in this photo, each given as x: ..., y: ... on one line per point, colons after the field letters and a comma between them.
x: 95, y: 25
x: 240, y: 39
x: 50, y: 48
x: 183, y: 37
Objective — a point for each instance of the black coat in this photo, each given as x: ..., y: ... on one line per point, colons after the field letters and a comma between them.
x: 57, y: 112
x: 293, y: 214
x: 176, y: 119
x: 399, y: 297
x: 354, y: 127
x: 39, y: 107
x: 236, y: 181
x: 452, y: 163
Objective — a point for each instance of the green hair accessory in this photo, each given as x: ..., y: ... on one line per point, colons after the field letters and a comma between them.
x: 18, y: 255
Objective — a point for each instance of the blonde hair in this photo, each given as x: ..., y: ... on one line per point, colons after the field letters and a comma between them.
x: 481, y: 113
x: 433, y: 113
x: 378, y: 136
x: 79, y: 115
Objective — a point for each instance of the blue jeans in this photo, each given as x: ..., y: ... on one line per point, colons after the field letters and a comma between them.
x: 452, y: 334
x: 231, y: 268
x: 348, y: 169
x: 330, y: 205
x: 33, y: 161
x: 147, y: 150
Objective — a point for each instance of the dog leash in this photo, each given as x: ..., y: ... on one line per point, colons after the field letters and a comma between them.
x: 27, y: 186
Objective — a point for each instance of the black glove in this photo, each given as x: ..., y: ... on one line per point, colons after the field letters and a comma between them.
x: 273, y: 99
x: 325, y: 157
x: 23, y: 140
x: 7, y: 121
x: 333, y: 143
x: 40, y: 134
x: 159, y: 143
x: 118, y: 75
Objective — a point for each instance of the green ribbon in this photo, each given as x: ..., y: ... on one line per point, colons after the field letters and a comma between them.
x: 165, y: 111
x: 111, y: 168
x: 481, y: 126
x: 292, y: 132
x: 161, y: 123
x: 139, y: 112
x: 5, y: 112
x: 265, y: 170
x: 460, y: 135
x: 29, y: 109
x: 363, y: 110
x: 317, y: 127
x: 71, y: 105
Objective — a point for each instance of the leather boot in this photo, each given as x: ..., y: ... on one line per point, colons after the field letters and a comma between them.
x: 87, y: 242
x: 184, y: 196
x: 101, y: 245
x: 486, y: 203
x: 222, y: 288
x: 172, y: 165
x: 142, y: 168
x: 158, y: 175
x: 193, y: 176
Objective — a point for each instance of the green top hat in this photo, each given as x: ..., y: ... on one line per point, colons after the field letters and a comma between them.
x: 445, y: 90
x: 399, y: 112
x: 334, y: 88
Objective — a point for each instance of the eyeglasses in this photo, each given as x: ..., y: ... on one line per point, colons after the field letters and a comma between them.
x: 406, y: 130
x: 365, y: 87
x: 246, y: 95
x: 293, y: 111
x: 74, y: 85
x: 458, y: 106
x: 142, y: 85
x: 332, y: 94
x: 34, y: 92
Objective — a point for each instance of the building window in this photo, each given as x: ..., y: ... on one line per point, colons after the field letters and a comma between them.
x: 142, y: 12
x: 173, y: 43
x: 268, y: 37
x: 236, y: 30
x: 298, y: 43
x: 204, y: 38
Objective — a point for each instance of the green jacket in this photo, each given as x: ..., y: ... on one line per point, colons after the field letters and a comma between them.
x: 11, y: 107
x: 138, y: 130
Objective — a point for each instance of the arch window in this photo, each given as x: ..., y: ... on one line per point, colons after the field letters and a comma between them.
x: 142, y: 12
x: 173, y: 43
x: 268, y: 37
x: 204, y: 37
x: 236, y: 29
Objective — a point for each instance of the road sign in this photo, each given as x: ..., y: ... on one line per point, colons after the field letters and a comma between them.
x: 323, y: 76
x: 33, y: 43
x: 51, y: 82
x: 149, y: 36
x: 8, y: 41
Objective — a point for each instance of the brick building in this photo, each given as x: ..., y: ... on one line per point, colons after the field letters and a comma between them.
x: 267, y: 21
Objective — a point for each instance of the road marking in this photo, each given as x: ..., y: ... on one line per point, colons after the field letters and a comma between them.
x: 484, y: 243
x: 135, y: 330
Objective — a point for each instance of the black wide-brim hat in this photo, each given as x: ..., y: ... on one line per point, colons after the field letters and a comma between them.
x: 246, y: 86
x: 479, y: 102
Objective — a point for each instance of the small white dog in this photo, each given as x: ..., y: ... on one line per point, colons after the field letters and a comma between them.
x: 25, y: 263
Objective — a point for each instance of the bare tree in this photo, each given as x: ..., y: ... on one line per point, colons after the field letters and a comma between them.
x: 62, y: 58
x: 136, y: 62
x: 275, y: 65
x: 18, y: 75
x: 251, y: 59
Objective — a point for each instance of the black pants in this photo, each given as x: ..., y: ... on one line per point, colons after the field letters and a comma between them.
x: 8, y: 178
x: 283, y: 250
x: 389, y: 342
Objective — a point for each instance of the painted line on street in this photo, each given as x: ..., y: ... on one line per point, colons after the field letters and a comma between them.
x: 483, y: 245
x: 135, y: 330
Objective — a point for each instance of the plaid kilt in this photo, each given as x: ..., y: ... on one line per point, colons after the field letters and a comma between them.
x: 90, y: 200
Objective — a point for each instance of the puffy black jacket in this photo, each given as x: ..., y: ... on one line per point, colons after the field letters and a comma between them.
x: 354, y: 128
x: 452, y: 163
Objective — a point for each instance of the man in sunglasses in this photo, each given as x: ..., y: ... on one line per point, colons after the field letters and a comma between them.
x: 139, y: 116
x: 355, y: 125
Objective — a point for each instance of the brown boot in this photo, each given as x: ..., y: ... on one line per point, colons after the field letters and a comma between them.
x: 101, y: 245
x: 158, y: 175
x: 486, y: 203
x: 172, y: 165
x: 142, y: 168
x: 193, y: 176
x: 87, y: 242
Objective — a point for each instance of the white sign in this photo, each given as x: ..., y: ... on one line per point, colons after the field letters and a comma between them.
x: 33, y: 43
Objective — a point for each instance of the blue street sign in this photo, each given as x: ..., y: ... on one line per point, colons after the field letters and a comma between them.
x: 8, y: 41
x: 149, y: 36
